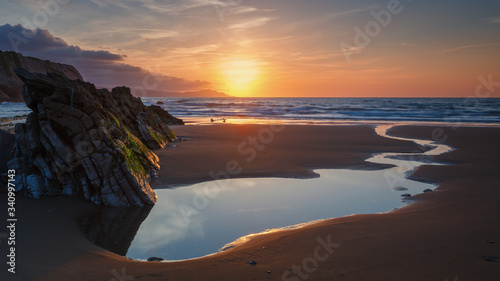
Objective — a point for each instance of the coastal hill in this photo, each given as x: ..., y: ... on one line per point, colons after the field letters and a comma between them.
x: 11, y: 85
x: 206, y: 93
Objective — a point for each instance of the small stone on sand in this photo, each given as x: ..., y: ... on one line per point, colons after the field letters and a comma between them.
x: 155, y: 259
x: 491, y: 259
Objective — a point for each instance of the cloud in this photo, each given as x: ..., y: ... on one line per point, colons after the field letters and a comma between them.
x: 242, y: 10
x: 459, y: 48
x: 157, y: 34
x: 175, y: 7
x: 111, y: 4
x: 407, y: 44
x: 19, y: 39
x: 103, y: 68
x: 350, y: 12
x: 493, y: 20
x: 195, y: 50
x: 251, y: 23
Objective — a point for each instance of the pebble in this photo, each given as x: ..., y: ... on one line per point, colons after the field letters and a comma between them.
x: 155, y: 259
x: 406, y: 195
x: 428, y: 190
x: 491, y: 258
x: 253, y: 263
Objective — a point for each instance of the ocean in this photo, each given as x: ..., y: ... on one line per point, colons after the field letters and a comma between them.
x: 319, y: 110
x: 331, y: 110
x: 11, y: 109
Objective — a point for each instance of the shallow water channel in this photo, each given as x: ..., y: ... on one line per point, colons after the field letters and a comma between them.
x: 201, y: 219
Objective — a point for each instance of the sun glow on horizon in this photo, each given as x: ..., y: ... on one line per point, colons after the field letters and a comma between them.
x: 240, y: 76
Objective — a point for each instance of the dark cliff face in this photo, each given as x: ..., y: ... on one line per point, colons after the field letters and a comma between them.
x: 7, y: 141
x: 114, y: 228
x: 11, y: 85
x: 83, y: 141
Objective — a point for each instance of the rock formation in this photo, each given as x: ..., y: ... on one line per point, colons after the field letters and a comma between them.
x: 7, y: 141
x: 11, y: 85
x: 114, y: 229
x: 83, y: 141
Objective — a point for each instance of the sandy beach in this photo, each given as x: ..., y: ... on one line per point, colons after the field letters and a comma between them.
x: 443, y: 235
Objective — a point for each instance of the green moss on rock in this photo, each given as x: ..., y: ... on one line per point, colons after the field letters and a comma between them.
x: 117, y: 122
x: 171, y: 135
x: 133, y: 162
x: 158, y: 138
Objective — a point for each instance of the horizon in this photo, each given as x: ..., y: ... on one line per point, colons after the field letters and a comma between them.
x: 314, y: 97
x: 338, y: 49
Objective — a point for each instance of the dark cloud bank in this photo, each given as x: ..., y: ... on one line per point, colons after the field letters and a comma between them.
x: 102, y: 68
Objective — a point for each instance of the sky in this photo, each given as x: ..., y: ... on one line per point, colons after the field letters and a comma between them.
x: 283, y: 48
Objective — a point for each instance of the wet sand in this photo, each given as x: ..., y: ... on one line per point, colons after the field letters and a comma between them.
x: 444, y: 235
x: 8, y: 123
x: 263, y: 151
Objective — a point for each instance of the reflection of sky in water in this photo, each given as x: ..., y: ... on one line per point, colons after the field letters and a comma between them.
x: 198, y: 220
x: 175, y: 231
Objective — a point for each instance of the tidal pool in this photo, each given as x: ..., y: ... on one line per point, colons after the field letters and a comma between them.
x: 197, y: 220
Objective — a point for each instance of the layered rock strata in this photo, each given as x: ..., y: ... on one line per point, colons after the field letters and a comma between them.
x: 11, y: 86
x: 83, y: 141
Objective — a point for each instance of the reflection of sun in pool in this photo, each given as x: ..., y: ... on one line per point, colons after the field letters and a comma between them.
x: 240, y: 75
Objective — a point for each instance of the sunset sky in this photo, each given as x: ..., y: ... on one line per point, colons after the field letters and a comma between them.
x: 267, y: 48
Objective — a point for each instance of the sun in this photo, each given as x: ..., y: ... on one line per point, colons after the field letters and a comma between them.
x: 240, y: 76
